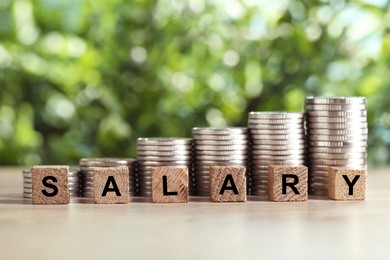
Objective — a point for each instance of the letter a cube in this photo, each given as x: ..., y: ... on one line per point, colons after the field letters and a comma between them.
x: 287, y: 182
x: 50, y: 185
x: 347, y: 183
x: 111, y: 185
x: 227, y: 183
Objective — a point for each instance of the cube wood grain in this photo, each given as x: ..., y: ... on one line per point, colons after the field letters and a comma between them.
x: 347, y: 183
x: 170, y: 184
x: 50, y: 185
x: 287, y: 182
x: 111, y: 185
x: 227, y: 184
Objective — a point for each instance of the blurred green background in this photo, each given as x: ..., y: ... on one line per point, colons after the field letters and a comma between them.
x: 82, y: 78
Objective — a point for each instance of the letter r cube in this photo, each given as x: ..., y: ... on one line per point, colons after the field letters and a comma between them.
x: 287, y: 182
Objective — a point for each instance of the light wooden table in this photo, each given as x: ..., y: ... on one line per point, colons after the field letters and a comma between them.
x: 316, y: 229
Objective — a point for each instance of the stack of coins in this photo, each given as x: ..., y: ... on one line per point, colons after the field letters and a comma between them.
x: 87, y: 165
x: 157, y: 152
x: 74, y: 183
x: 277, y: 138
x: 217, y: 147
x: 337, y: 136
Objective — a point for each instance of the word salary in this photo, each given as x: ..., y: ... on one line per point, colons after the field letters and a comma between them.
x: 50, y: 184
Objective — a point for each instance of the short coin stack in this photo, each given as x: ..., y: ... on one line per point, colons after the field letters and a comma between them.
x: 74, y: 183
x: 87, y: 165
x: 155, y: 152
x: 337, y: 136
x: 277, y: 138
x: 216, y: 147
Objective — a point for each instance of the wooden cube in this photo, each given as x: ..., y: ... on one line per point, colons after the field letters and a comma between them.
x: 111, y: 185
x: 227, y: 183
x: 347, y: 183
x: 50, y: 185
x: 170, y: 184
x: 287, y: 182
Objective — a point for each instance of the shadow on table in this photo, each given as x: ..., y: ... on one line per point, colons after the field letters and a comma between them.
x: 14, y: 199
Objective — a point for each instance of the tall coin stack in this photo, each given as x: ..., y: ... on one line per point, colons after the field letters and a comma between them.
x: 277, y: 138
x: 87, y: 165
x: 156, y: 152
x: 215, y: 147
x: 337, y: 136
x: 74, y: 183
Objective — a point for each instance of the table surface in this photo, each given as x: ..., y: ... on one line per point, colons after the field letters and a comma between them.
x: 319, y: 228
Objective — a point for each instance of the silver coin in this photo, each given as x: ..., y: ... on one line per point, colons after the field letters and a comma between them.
x: 256, y: 189
x: 200, y: 157
x: 358, y: 131
x: 164, y: 148
x: 164, y: 141
x: 338, y: 138
x: 346, y: 113
x: 223, y: 163
x: 219, y: 131
x: 89, y: 174
x: 165, y: 153
x: 202, y: 184
x: 317, y: 187
x: 318, y: 192
x: 258, y: 157
x: 295, y: 131
x: 104, y: 162
x: 263, y: 181
x: 203, y: 192
x: 338, y: 162
x: 278, y: 152
x: 253, y: 125
x: 164, y: 158
x: 286, y: 148
x: 260, y: 176
x: 318, y: 181
x: 152, y: 168
x: 244, y: 152
x: 162, y: 163
x: 279, y: 137
x: 319, y: 167
x: 278, y: 162
x: 359, y: 125
x: 337, y: 150
x: 221, y: 147
x: 335, y: 100
x: 286, y: 142
x: 188, y: 164
x: 203, y: 168
x: 332, y: 107
x: 260, y: 192
x: 337, y: 156
x: 259, y: 169
x: 220, y: 137
x: 318, y: 177
x: 336, y: 120
x: 227, y: 143
x: 338, y: 144
x: 272, y: 121
x: 276, y: 115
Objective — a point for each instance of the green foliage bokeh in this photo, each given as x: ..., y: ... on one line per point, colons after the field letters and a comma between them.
x: 83, y: 78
